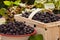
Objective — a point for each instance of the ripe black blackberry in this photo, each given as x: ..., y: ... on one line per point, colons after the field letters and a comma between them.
x: 11, y: 28
x: 46, y: 17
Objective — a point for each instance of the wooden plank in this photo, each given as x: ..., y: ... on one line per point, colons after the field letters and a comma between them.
x: 59, y: 33
x: 48, y: 33
x: 14, y: 38
x: 52, y: 33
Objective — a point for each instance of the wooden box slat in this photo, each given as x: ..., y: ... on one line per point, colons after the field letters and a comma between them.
x: 13, y: 38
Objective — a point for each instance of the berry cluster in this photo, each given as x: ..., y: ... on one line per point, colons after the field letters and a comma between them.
x: 46, y: 17
x: 16, y: 28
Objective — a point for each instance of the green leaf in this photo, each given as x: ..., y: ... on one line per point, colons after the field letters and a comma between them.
x: 36, y: 37
x: 2, y: 11
x: 17, y: 2
x: 8, y: 3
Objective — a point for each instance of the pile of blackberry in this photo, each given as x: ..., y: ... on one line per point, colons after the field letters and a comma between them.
x: 26, y: 14
x: 16, y: 28
x: 46, y: 17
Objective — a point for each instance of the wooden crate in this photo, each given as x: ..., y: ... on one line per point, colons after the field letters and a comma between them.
x: 50, y: 31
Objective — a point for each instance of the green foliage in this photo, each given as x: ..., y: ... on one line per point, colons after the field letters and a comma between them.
x: 39, y: 5
x: 57, y: 5
x: 36, y: 37
x: 2, y: 11
x: 17, y: 2
x: 9, y: 3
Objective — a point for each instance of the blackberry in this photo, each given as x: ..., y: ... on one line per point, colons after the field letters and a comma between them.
x: 11, y: 28
x: 46, y: 17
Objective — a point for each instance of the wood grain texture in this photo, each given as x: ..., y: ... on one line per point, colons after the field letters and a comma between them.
x: 14, y: 38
